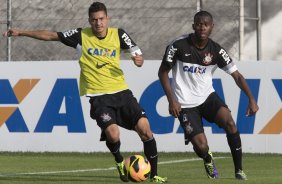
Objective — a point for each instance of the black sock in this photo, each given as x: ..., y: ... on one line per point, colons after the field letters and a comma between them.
x: 234, y: 142
x: 114, y: 149
x: 205, y: 156
x: 150, y: 151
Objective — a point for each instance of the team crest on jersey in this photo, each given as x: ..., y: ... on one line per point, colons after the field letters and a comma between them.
x: 105, y: 117
x: 208, y: 58
x: 188, y: 128
x: 187, y: 125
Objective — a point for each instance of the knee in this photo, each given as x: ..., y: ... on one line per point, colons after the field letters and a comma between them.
x: 145, y: 134
x: 201, y: 148
x: 230, y: 127
x: 112, y: 133
x: 143, y: 129
x: 225, y: 120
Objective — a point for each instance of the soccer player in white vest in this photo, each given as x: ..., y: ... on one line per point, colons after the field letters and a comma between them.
x: 102, y: 80
x: 192, y: 59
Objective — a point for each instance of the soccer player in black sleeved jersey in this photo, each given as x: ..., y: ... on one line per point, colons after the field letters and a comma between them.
x: 193, y: 58
x: 102, y: 80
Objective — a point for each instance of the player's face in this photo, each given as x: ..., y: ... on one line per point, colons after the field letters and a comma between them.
x: 203, y: 27
x: 99, y: 23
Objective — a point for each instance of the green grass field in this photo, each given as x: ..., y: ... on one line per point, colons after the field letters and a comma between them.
x: 98, y: 168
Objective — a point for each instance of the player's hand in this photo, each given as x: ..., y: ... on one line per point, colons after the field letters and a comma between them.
x: 252, y: 108
x: 174, y: 108
x: 11, y: 32
x: 138, y: 60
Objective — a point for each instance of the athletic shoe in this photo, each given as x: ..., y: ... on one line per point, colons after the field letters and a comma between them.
x: 120, y: 168
x: 240, y: 175
x: 210, y: 168
x: 158, y: 179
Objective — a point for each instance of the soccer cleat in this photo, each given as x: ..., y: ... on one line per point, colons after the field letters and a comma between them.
x: 240, y: 175
x: 210, y: 168
x: 120, y: 168
x: 158, y: 179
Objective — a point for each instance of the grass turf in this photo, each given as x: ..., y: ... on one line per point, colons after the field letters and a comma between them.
x: 99, y: 168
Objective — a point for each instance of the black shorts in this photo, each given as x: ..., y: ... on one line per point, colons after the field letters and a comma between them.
x: 119, y: 108
x: 191, y: 118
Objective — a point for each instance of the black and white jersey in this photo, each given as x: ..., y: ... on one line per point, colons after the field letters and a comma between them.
x: 192, y: 69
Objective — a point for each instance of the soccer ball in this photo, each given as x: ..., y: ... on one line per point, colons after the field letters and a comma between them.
x: 137, y: 168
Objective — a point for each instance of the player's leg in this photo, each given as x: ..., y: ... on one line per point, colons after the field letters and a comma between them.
x: 201, y: 148
x: 191, y: 122
x: 113, y: 143
x: 106, y: 120
x: 224, y: 119
x: 215, y: 110
x: 150, y: 148
x: 132, y: 116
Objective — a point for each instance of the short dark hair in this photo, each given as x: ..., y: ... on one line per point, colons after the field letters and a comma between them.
x: 97, y: 6
x: 202, y: 13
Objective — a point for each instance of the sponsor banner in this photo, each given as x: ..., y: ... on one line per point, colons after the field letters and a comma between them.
x: 41, y: 110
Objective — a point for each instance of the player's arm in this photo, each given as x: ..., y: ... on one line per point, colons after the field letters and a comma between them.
x: 166, y: 65
x: 39, y: 34
x: 226, y: 63
x: 242, y: 84
x: 127, y: 44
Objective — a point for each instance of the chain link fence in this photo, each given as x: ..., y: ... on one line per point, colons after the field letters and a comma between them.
x: 151, y: 23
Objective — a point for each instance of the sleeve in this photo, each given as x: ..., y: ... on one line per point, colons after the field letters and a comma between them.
x: 71, y: 38
x: 169, y: 58
x: 127, y: 44
x: 225, y: 62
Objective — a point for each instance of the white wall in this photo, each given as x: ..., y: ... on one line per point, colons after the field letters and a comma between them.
x: 83, y: 135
